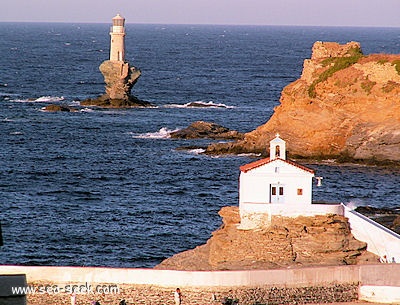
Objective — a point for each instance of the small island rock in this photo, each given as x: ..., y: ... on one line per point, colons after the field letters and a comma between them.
x: 119, y: 77
x: 201, y: 129
x: 56, y: 108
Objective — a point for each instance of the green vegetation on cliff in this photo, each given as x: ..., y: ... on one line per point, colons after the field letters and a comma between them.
x: 396, y: 63
x: 336, y: 64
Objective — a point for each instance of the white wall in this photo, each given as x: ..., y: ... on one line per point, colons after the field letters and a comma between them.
x: 306, y: 210
x: 257, y: 215
x: 381, y: 294
x: 171, y: 278
x: 380, y: 240
x: 378, y: 283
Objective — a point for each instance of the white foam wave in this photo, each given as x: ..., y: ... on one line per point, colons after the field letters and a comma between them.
x: 249, y: 155
x: 200, y: 104
x: 163, y: 133
x: 74, y: 103
x: 354, y: 203
x: 18, y: 100
x: 86, y: 110
x: 197, y: 151
x: 49, y: 99
x: 41, y: 99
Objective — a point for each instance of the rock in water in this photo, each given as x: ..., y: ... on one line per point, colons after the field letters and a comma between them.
x: 200, y: 129
x: 119, y: 77
x: 344, y: 105
x: 388, y: 217
x: 56, y: 108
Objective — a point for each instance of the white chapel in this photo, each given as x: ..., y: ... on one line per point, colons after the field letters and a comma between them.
x: 276, y: 186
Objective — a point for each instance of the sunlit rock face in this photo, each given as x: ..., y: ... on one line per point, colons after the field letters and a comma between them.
x: 322, y: 240
x: 345, y: 104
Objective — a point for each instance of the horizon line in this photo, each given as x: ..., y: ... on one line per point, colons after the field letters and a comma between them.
x: 209, y: 24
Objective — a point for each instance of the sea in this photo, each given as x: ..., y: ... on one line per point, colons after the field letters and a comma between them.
x: 108, y: 187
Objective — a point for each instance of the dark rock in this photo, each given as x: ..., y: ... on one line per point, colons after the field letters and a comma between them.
x: 105, y: 101
x: 390, y: 218
x: 200, y: 129
x: 56, y: 108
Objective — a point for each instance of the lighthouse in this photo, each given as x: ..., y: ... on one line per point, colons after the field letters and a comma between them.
x: 119, y: 75
x: 117, y: 33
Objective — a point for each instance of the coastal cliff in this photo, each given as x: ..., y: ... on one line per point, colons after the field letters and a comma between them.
x: 345, y: 105
x: 288, y: 242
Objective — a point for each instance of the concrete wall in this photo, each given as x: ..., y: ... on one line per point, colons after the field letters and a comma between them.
x: 378, y: 283
x: 380, y: 240
x: 173, y: 278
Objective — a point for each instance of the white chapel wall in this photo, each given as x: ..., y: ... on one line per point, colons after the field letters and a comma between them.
x: 380, y: 240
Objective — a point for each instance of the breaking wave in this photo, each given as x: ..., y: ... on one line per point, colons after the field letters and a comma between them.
x: 197, y: 151
x: 163, y: 133
x: 49, y: 99
x: 354, y: 203
x: 200, y: 104
x: 42, y: 99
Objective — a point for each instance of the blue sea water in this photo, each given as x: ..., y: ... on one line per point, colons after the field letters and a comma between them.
x: 108, y: 187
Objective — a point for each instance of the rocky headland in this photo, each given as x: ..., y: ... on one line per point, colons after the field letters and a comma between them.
x: 120, y: 78
x: 345, y: 105
x: 287, y: 243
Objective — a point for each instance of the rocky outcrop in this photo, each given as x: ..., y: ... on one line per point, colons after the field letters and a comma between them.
x: 57, y: 108
x: 345, y: 104
x: 201, y: 129
x: 119, y: 77
x: 288, y: 242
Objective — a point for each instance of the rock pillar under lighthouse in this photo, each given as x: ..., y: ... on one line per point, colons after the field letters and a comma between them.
x: 119, y: 75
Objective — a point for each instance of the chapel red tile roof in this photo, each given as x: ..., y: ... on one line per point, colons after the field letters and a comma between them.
x: 248, y: 167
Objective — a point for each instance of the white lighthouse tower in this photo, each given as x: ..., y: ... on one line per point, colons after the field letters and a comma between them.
x: 117, y: 33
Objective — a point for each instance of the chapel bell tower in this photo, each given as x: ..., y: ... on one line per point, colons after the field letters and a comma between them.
x: 277, y: 148
x: 117, y: 33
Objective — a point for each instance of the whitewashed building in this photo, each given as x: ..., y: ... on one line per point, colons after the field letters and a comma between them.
x: 276, y: 186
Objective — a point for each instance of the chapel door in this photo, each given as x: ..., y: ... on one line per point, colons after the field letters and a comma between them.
x: 277, y: 193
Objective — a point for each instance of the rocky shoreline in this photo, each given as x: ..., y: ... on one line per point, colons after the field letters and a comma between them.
x: 390, y: 218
